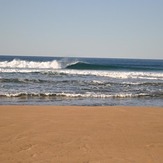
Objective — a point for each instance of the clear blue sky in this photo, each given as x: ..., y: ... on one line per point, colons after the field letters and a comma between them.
x: 85, y: 28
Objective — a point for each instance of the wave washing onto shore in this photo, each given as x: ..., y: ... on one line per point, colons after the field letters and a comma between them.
x: 77, y: 95
x: 80, y: 81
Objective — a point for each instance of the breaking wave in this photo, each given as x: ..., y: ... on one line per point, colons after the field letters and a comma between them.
x: 71, y: 64
x: 30, y: 64
x: 78, y: 68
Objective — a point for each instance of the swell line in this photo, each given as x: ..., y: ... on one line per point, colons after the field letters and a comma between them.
x: 88, y: 66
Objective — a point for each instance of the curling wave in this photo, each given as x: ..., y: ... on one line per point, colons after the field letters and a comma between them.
x: 90, y: 66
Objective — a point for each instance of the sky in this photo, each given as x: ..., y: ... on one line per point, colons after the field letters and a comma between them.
x: 82, y: 28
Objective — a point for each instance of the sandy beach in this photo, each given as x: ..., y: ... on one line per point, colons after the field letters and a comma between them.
x: 66, y: 134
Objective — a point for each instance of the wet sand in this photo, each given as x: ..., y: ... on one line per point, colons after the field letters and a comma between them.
x: 66, y: 134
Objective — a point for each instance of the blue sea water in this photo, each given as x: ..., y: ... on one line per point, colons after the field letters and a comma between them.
x: 28, y: 80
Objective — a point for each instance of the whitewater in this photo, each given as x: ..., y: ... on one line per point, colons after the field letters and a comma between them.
x: 80, y: 81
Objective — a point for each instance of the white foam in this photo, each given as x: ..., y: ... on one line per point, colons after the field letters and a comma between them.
x: 115, y: 74
x: 97, y: 82
x: 30, y: 64
x: 74, y: 95
x: 111, y: 74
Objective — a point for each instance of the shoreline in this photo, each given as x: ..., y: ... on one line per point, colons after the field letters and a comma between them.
x: 70, y: 134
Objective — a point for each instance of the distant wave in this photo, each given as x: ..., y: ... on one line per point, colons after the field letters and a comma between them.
x: 87, y: 66
x: 70, y: 64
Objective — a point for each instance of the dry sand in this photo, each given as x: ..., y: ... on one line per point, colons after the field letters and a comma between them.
x: 52, y: 134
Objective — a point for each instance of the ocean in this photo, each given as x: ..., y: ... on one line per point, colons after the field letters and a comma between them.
x: 28, y: 80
